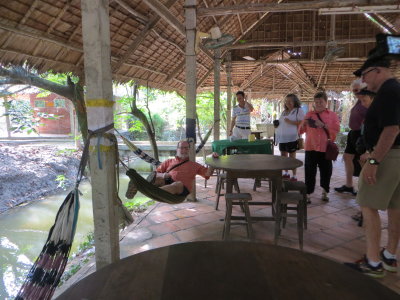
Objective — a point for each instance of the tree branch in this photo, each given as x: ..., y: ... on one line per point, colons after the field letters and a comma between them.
x: 25, y: 77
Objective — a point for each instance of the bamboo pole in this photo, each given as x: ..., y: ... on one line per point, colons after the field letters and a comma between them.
x: 99, y: 102
x: 217, y: 79
x: 190, y: 29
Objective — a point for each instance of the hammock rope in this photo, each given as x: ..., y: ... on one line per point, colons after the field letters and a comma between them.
x: 45, y: 274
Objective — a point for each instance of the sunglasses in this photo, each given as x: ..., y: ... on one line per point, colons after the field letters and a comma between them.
x: 365, y: 73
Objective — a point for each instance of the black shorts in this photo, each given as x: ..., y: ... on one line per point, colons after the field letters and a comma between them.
x: 351, y: 142
x: 288, y: 147
x: 185, y: 192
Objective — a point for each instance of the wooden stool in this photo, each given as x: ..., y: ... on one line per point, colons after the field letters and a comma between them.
x: 241, y: 199
x: 299, y: 186
x: 299, y: 202
x: 220, y: 182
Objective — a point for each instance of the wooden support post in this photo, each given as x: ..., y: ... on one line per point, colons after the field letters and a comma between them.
x: 99, y: 102
x: 228, y: 92
x: 190, y: 29
x: 217, y: 79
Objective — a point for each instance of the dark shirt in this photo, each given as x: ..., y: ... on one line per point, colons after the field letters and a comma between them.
x: 384, y: 111
x: 357, y: 115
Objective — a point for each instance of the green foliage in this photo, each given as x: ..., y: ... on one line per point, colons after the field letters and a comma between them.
x: 87, y: 243
x: 66, y: 151
x: 138, y: 204
x: 21, y: 116
x: 62, y: 182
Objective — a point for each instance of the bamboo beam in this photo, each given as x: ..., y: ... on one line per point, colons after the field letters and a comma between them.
x: 141, y: 18
x: 140, y: 38
x: 290, y: 61
x: 290, y: 7
x: 299, y: 44
x: 165, y: 13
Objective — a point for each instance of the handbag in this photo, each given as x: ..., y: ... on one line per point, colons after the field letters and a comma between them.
x: 332, y: 150
x: 300, y: 143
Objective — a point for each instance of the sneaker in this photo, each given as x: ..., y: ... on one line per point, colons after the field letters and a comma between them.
x: 293, y: 179
x: 308, y: 199
x: 364, y: 267
x: 324, y: 196
x: 389, y: 264
x: 346, y: 189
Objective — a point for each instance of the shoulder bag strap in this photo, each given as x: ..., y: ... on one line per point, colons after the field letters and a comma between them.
x: 177, y: 165
x: 326, y: 130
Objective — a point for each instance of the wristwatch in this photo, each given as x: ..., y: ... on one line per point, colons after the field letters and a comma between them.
x: 373, y: 161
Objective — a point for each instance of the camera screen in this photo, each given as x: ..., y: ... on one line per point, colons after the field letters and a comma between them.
x: 393, y: 44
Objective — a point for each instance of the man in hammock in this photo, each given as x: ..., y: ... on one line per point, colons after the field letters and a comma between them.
x: 179, y: 173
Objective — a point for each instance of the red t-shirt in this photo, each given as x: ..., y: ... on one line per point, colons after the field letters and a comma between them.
x: 185, y: 173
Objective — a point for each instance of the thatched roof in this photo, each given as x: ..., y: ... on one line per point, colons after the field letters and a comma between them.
x: 46, y: 34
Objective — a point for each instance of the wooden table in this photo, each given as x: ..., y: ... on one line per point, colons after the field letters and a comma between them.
x: 227, y: 270
x: 257, y: 166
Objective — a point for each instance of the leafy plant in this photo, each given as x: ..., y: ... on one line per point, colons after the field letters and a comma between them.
x: 139, y: 204
x: 62, y: 181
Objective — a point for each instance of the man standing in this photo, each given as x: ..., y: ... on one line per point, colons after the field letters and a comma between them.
x: 240, y: 125
x: 379, y: 183
x: 357, y: 115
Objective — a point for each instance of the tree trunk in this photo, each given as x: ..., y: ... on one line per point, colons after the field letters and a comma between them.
x: 142, y: 117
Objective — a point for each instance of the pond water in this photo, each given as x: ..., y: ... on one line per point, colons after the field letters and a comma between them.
x: 24, y: 230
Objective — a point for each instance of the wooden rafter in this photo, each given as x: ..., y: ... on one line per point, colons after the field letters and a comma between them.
x: 140, y: 38
x: 300, y: 44
x: 137, y: 15
x: 288, y: 6
x: 21, y: 22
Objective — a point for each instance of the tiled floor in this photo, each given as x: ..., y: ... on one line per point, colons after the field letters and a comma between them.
x: 331, y: 231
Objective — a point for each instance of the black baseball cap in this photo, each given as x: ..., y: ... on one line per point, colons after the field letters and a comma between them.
x: 376, y: 62
x: 366, y: 92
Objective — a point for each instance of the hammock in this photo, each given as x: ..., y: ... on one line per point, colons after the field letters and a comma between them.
x: 45, y: 274
x: 139, y: 152
x: 147, y: 158
x: 151, y: 191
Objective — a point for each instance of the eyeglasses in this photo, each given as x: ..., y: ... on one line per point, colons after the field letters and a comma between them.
x: 365, y: 73
x: 183, y: 147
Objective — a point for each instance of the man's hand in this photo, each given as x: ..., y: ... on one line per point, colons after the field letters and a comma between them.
x: 369, y: 173
x: 214, y: 155
x: 363, y: 158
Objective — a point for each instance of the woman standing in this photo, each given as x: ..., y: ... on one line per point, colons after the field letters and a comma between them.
x: 315, y: 125
x: 287, y: 132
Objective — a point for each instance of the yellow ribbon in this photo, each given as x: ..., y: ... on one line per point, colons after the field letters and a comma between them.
x: 99, y: 103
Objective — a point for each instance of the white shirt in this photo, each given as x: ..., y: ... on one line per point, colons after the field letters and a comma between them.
x: 242, y: 116
x: 286, y: 132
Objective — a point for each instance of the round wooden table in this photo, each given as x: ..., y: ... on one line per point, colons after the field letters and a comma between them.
x: 227, y: 270
x: 257, y: 166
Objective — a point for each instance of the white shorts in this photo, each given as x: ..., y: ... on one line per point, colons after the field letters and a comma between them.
x: 241, y: 133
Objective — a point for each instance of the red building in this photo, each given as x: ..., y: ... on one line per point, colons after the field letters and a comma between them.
x: 57, y: 105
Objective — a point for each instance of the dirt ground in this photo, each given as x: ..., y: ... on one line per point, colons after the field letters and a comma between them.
x: 28, y: 172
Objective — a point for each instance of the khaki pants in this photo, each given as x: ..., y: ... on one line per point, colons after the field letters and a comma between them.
x: 386, y: 192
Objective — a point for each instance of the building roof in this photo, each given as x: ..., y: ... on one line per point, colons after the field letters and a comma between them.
x: 296, y: 49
